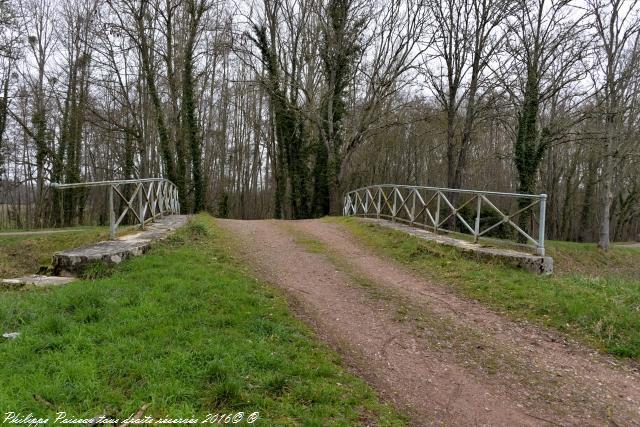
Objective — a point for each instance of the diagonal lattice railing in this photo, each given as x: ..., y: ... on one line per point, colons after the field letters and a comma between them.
x: 508, y: 216
x: 148, y: 199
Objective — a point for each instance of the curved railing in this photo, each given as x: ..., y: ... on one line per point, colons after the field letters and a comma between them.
x: 479, y: 213
x: 150, y: 199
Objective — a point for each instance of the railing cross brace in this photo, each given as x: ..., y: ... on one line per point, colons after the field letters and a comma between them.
x: 401, y: 210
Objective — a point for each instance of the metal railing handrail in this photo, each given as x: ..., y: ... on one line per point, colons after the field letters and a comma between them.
x: 104, y: 183
x: 457, y: 190
x: 399, y: 202
x: 155, y: 196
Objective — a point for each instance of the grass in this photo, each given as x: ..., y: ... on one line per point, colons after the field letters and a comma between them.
x: 587, y: 260
x: 185, y: 330
x: 28, y: 254
x: 595, y: 297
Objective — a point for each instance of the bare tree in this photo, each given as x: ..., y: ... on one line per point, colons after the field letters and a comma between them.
x: 466, y: 39
x: 10, y: 33
x: 617, y: 27
x: 323, y: 95
x: 546, y: 45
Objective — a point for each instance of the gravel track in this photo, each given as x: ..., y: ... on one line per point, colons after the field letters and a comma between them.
x: 442, y: 358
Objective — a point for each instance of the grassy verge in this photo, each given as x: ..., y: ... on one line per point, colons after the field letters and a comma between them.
x: 29, y: 253
x: 184, y: 330
x: 586, y: 259
x: 598, y: 305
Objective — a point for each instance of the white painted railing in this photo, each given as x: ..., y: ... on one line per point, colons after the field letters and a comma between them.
x: 431, y: 208
x: 150, y: 199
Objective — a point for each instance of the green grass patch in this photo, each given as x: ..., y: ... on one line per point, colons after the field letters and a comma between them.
x: 599, y: 305
x: 184, y: 329
x: 30, y: 253
x: 587, y: 260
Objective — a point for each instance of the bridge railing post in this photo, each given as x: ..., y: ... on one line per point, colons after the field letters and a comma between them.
x: 476, y: 232
x: 366, y: 202
x: 163, y: 195
x: 541, y: 225
x: 395, y: 203
x: 141, y: 212
x: 112, y: 215
x: 437, y: 224
x: 413, y: 206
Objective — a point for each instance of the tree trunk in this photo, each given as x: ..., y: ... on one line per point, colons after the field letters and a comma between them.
x: 163, y: 134
x: 189, y: 109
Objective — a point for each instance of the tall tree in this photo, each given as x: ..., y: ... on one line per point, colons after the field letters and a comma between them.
x: 140, y: 14
x: 10, y: 34
x: 617, y: 26
x: 78, y: 20
x: 343, y: 24
x: 290, y: 129
x: 195, y: 12
x: 545, y: 52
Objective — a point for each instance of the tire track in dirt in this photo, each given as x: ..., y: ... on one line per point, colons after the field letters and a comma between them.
x: 446, y: 360
x: 552, y: 373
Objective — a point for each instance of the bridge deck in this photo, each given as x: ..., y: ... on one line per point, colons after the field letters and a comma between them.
x: 71, y: 262
x: 534, y: 263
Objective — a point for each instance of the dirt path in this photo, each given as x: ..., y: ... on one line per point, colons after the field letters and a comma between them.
x: 444, y: 359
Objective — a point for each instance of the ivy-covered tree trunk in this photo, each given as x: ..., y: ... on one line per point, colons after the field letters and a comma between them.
x: 190, y: 122
x: 150, y: 80
x: 57, y: 172
x: 278, y: 171
x: 4, y: 109
x: 530, y: 144
x: 293, y: 152
x: 68, y: 145
x: 74, y: 199
x: 321, y: 192
x: 585, y: 232
x: 339, y: 52
x: 129, y: 154
x: 39, y: 120
x: 297, y: 165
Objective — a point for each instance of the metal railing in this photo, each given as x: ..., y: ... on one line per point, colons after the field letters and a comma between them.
x: 429, y: 207
x: 150, y: 199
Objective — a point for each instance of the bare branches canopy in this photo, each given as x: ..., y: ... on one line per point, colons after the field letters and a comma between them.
x: 275, y: 107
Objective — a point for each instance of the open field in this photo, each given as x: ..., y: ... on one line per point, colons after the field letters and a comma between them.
x: 592, y: 296
x: 185, y: 330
